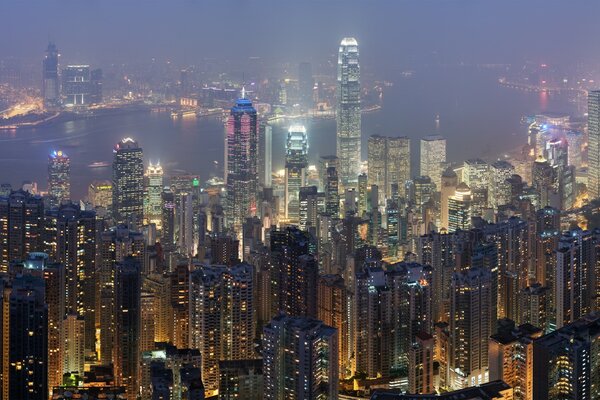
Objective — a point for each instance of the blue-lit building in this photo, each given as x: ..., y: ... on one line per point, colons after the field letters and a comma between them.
x: 241, y: 172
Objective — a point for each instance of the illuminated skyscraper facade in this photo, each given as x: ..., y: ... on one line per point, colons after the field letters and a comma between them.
x: 154, y: 176
x: 128, y: 182
x: 296, y: 162
x: 593, y: 185
x: 299, y: 359
x: 348, y: 111
x: 76, y: 85
x: 433, y: 158
x: 241, y: 173
x: 59, y: 177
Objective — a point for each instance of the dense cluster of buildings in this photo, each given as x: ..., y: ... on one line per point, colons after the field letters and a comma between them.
x: 447, y: 281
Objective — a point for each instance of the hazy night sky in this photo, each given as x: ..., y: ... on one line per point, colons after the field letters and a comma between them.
x: 389, y: 32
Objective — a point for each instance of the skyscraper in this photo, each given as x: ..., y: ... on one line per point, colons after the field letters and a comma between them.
x: 389, y: 163
x: 299, y: 359
x: 472, y: 318
x: 126, y: 354
x: 221, y: 316
x: 296, y: 162
x: 28, y: 341
x: 306, y: 84
x: 154, y: 176
x: 348, y: 111
x: 76, y: 85
x: 433, y: 158
x: 50, y: 81
x: 294, y: 273
x: 593, y: 185
x: 128, y: 182
x: 21, y: 226
x: 241, y: 173
x: 332, y: 309
x: 566, y: 362
x: 59, y: 177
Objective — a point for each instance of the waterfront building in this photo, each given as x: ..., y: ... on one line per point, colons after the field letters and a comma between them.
x: 433, y: 158
x: 50, y: 79
x: 59, y: 177
x: 241, y: 173
x: 76, y: 85
x: 128, y: 182
x: 348, y: 111
x: 299, y: 359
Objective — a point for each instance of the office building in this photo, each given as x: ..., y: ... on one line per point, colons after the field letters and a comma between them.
x: 348, y: 111
x: 154, y: 189
x: 449, y: 182
x: 459, y: 208
x: 299, y: 359
x: 389, y: 163
x: 593, y: 185
x: 265, y: 166
x: 59, y: 177
x: 100, y: 194
x: 306, y: 84
x: 499, y: 187
x: 76, y: 85
x: 433, y: 158
x: 241, y: 173
x: 296, y: 162
x: 50, y: 79
x: 128, y: 182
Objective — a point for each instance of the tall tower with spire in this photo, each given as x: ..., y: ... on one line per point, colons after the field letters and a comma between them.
x: 348, y: 111
x: 241, y: 168
x: 50, y: 81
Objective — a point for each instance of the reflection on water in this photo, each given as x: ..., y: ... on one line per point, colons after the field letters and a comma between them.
x: 473, y: 109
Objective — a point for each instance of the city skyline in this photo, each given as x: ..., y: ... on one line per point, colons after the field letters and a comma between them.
x: 306, y: 223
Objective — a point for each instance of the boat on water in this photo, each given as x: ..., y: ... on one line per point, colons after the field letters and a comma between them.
x: 99, y: 164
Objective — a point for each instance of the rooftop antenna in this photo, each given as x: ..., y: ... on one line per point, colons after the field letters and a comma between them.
x: 243, y: 85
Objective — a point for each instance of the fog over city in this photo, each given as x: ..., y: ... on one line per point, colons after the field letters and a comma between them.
x: 306, y: 200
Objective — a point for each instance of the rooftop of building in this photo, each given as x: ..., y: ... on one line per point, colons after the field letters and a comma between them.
x: 487, y: 391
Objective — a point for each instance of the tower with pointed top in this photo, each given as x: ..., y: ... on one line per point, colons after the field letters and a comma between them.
x: 241, y: 167
x: 348, y: 111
